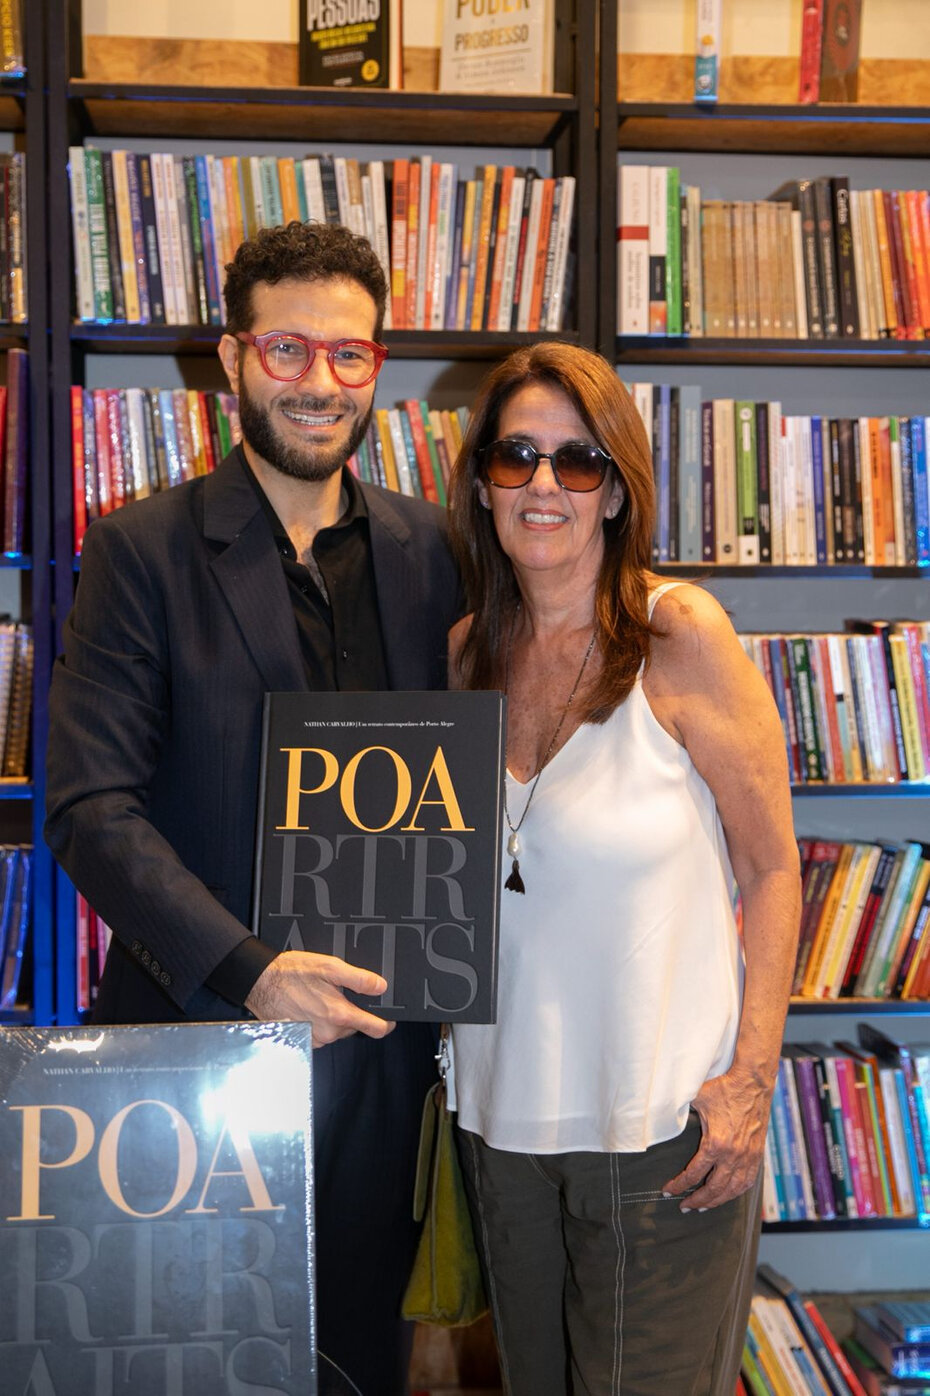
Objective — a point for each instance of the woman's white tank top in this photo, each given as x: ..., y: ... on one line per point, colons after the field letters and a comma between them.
x: 620, y: 968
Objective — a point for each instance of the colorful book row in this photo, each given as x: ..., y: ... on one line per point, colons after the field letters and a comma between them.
x: 865, y: 920
x: 489, y: 253
x: 153, y: 234
x: 854, y: 705
x: 813, y: 260
x: 93, y: 940
x: 849, y: 1131
x: 15, y: 917
x: 742, y: 484
x: 130, y: 442
x: 14, y: 452
x: 790, y: 1349
x: 411, y: 448
x: 127, y: 443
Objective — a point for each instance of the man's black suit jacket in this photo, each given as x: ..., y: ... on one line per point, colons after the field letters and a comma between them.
x: 182, y: 622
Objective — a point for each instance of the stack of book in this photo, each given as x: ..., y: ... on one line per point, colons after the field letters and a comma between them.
x: 890, y: 1347
x: 127, y: 443
x: 864, y: 920
x: 741, y: 483
x: 93, y: 940
x: 153, y: 234
x: 789, y: 1345
x: 15, y: 914
x: 814, y: 260
x: 849, y: 1132
x: 411, y: 448
x: 854, y: 706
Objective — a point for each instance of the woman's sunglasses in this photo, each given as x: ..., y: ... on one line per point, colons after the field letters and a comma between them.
x: 576, y: 465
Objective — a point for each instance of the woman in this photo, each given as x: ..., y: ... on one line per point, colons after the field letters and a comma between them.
x: 612, y: 1122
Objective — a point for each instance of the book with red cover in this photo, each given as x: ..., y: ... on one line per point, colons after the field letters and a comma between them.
x: 811, y: 49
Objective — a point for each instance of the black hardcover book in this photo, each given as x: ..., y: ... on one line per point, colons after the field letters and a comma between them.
x: 826, y: 253
x: 845, y: 266
x: 164, y: 1173
x: 674, y: 450
x: 763, y: 482
x: 355, y: 45
x: 379, y: 832
x: 116, y: 266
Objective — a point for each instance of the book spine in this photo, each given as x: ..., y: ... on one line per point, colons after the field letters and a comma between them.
x: 845, y: 262
x: 113, y: 243
x: 633, y: 251
x: 97, y: 228
x: 811, y: 46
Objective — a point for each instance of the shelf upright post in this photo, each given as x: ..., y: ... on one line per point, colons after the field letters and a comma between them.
x: 574, y: 149
x: 38, y: 578
x: 607, y: 181
x: 64, y: 61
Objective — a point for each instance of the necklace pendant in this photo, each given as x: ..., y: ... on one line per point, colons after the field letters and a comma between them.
x: 513, y: 844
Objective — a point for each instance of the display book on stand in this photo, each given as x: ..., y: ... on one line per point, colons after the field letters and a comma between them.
x: 167, y: 1171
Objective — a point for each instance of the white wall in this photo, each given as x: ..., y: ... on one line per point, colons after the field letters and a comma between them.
x: 890, y: 28
x: 274, y: 21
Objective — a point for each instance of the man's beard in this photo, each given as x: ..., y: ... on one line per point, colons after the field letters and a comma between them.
x: 309, y: 462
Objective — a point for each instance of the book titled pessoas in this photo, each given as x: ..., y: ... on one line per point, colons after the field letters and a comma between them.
x: 350, y: 43
x: 155, y: 1210
x: 379, y: 842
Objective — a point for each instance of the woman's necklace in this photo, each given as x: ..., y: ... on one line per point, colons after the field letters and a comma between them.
x: 514, y: 882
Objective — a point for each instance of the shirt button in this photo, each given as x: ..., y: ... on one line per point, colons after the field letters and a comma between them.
x: 305, y: 590
x: 345, y: 654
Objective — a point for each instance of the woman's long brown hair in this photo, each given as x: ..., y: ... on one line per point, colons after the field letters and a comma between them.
x: 621, y: 592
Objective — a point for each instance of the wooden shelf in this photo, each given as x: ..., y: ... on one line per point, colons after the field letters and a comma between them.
x: 784, y: 353
x: 830, y: 129
x: 868, y: 1008
x: 320, y: 114
x: 851, y: 1224
x: 16, y: 789
x: 899, y: 790
x: 703, y: 571
x: 117, y: 338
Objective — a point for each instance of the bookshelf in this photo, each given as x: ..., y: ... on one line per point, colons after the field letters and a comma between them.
x: 557, y: 133
x: 25, y: 579
x: 729, y: 146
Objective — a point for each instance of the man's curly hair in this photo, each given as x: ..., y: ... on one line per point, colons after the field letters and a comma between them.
x: 301, y: 252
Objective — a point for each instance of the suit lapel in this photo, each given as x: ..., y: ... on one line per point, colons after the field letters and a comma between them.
x: 250, y: 575
x: 399, y: 588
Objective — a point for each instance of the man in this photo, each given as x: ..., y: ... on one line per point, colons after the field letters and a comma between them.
x: 277, y: 572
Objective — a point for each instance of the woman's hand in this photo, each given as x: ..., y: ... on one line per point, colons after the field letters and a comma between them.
x: 734, y: 1115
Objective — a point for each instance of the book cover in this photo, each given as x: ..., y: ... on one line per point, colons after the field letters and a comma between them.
x: 839, y: 57
x: 356, y: 45
x: 379, y: 841
x: 633, y: 250
x: 707, y: 51
x: 487, y: 48
x: 178, y: 1202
